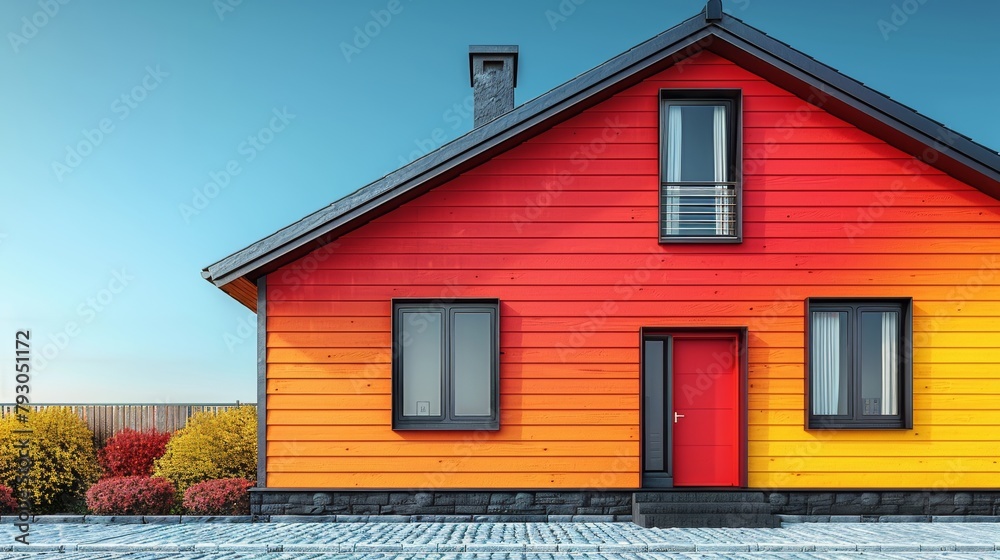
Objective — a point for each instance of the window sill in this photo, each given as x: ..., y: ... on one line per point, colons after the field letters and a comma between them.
x: 827, y: 426
x: 712, y: 239
x: 446, y: 426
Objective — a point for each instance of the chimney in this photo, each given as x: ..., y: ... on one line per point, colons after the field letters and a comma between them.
x: 713, y: 11
x: 493, y: 75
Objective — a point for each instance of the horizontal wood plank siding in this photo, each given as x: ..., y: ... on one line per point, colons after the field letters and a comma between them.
x: 563, y: 230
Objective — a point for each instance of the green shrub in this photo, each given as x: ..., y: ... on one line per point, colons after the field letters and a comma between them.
x: 62, y: 460
x: 211, y: 446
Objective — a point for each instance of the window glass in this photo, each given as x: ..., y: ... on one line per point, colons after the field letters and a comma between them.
x: 879, y: 368
x: 830, y: 383
x: 421, y: 356
x: 473, y: 360
x: 653, y: 410
x: 700, y: 142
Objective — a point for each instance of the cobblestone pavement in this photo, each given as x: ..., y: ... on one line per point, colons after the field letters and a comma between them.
x: 494, y: 541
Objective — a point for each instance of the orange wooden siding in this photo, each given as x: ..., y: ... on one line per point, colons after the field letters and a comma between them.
x: 563, y: 230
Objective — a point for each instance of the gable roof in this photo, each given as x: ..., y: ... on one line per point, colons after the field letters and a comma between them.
x: 710, y: 30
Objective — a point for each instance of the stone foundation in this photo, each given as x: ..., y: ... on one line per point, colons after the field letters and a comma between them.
x: 593, y: 505
x: 447, y: 506
x: 886, y: 502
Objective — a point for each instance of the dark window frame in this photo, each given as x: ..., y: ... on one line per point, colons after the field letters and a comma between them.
x: 733, y: 99
x: 448, y: 420
x: 855, y: 419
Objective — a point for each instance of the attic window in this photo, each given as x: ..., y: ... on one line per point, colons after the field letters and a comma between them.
x: 700, y: 195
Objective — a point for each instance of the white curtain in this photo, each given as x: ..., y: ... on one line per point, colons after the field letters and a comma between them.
x: 890, y: 365
x: 674, y: 141
x: 723, y: 208
x: 825, y: 355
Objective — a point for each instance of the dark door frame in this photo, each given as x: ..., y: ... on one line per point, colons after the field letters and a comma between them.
x: 665, y: 333
x: 652, y: 479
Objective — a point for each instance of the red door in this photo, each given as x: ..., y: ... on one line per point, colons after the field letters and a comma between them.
x: 705, y: 411
x: 691, y: 410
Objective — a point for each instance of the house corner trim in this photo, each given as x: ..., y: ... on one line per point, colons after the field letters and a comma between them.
x: 262, y: 382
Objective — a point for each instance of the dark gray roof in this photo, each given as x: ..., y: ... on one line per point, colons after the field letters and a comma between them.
x: 847, y: 98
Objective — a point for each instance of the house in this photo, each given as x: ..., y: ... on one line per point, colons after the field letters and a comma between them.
x: 709, y: 281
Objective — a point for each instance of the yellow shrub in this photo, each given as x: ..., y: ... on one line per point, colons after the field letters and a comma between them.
x: 63, y: 462
x: 211, y: 446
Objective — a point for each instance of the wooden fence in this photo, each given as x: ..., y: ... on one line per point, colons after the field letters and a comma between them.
x: 106, y: 420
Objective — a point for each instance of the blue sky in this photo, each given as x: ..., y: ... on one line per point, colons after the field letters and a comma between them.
x: 143, y: 140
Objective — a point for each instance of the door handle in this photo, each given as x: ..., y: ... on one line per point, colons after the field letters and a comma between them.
x: 676, y: 416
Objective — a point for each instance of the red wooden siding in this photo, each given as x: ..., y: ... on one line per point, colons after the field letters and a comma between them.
x: 563, y: 230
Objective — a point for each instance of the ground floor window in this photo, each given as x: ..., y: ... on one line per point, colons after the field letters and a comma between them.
x: 858, y: 363
x: 445, y: 364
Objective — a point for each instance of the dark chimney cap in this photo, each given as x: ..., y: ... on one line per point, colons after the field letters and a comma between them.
x: 713, y: 10
x: 488, y: 50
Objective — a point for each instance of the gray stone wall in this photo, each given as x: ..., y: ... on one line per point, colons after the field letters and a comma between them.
x: 886, y: 502
x: 448, y: 506
x: 590, y: 505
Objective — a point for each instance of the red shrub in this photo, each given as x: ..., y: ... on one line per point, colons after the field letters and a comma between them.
x: 131, y: 495
x: 223, y: 496
x: 131, y: 453
x: 8, y: 503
